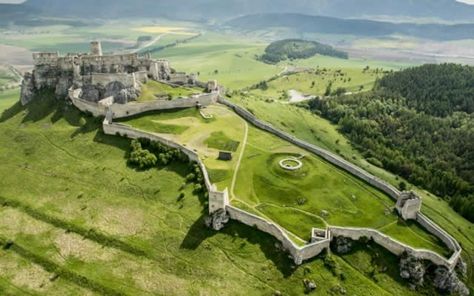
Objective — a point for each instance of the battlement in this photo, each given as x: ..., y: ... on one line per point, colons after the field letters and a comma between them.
x: 40, y: 58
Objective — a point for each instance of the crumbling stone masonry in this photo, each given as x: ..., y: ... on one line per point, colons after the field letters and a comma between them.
x: 98, y: 76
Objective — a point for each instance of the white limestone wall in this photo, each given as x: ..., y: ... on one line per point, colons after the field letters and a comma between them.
x: 85, y: 106
x: 130, y: 109
x: 298, y: 253
x: 410, y: 208
x: 437, y: 231
x: 392, y: 245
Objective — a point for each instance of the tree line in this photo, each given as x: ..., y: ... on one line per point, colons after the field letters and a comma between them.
x: 425, y: 135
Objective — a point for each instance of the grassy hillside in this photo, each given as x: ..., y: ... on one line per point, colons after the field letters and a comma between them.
x: 81, y: 221
x: 314, y: 129
x: 231, y: 61
x: 315, y: 195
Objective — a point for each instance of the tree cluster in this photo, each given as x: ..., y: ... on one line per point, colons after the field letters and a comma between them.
x: 437, y: 90
x: 400, y: 131
x: 298, y: 49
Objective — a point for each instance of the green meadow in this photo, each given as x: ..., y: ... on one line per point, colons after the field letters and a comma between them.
x: 76, y: 220
x: 215, y: 56
x: 313, y: 196
x: 153, y: 90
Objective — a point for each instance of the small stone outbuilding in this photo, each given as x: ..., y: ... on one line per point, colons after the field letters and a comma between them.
x: 225, y: 155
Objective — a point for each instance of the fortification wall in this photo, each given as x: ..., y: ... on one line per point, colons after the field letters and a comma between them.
x: 330, y: 157
x: 85, y: 106
x: 128, y: 80
x: 299, y: 254
x: 41, y: 58
x: 122, y: 59
x: 121, y: 111
x: 133, y: 133
x: 445, y: 237
x: 392, y: 245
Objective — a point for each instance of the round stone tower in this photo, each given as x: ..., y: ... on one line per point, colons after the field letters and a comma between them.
x: 96, y: 48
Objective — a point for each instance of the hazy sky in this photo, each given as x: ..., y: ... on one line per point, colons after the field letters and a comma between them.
x: 19, y: 1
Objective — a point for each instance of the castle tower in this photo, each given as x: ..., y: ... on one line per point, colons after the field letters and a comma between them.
x: 96, y: 48
x: 408, y: 205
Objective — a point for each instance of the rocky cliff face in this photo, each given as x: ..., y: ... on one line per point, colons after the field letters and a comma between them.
x: 27, y: 89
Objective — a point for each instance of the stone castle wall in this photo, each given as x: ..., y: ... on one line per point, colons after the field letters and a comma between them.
x: 220, y: 200
x: 355, y: 233
x: 128, y: 80
x: 126, y: 110
x: 390, y: 244
x: 298, y: 253
x: 130, y: 109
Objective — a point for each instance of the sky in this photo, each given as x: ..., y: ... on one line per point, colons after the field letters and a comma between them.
x: 19, y: 1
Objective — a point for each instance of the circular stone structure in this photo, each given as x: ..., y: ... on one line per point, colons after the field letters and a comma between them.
x: 291, y: 164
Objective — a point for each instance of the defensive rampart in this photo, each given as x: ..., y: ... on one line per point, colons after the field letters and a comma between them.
x: 219, y: 200
x: 130, y: 109
x: 298, y: 253
x: 390, y: 244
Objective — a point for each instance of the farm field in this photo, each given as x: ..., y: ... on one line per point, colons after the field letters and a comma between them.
x: 215, y: 56
x: 312, y: 196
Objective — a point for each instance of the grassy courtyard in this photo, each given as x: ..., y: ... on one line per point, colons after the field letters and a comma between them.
x: 153, y: 90
x: 224, y: 131
x: 316, y: 195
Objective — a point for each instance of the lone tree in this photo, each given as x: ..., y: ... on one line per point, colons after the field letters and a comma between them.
x: 402, y: 186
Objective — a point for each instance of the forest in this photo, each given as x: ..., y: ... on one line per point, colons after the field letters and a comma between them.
x: 298, y: 49
x: 417, y: 123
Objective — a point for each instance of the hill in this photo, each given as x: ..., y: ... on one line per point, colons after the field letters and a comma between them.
x: 398, y: 127
x: 298, y: 49
x: 304, y: 23
x: 203, y: 9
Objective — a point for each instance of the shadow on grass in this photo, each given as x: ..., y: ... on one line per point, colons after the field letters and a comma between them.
x: 198, y: 233
x: 11, y: 112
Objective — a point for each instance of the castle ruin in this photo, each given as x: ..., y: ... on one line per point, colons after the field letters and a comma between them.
x: 98, y: 76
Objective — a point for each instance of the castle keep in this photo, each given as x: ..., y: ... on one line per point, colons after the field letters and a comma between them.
x: 97, y: 76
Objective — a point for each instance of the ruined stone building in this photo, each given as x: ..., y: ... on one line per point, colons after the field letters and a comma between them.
x: 97, y: 76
